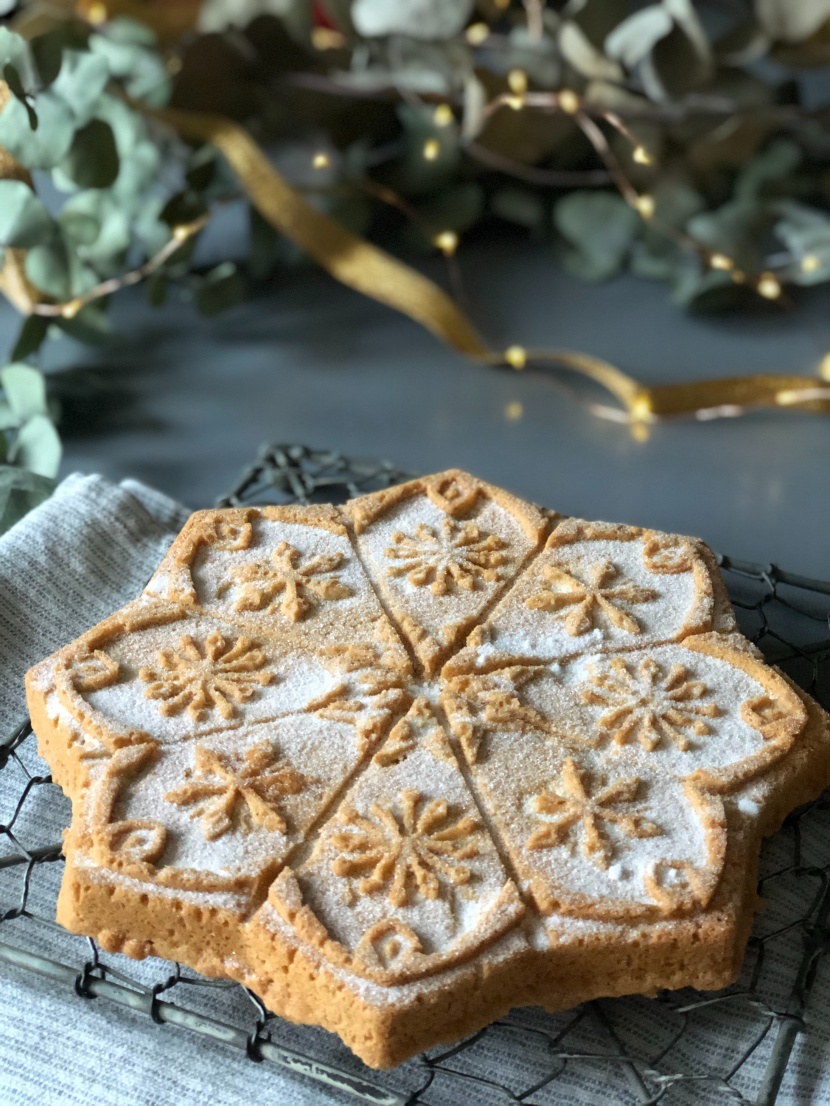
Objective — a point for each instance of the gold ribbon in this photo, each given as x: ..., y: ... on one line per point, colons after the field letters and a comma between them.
x: 373, y: 272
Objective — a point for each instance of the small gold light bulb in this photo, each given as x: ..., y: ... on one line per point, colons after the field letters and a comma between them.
x: 768, y: 287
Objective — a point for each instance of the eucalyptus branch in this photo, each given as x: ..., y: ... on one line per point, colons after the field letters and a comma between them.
x: 532, y: 174
x: 70, y: 308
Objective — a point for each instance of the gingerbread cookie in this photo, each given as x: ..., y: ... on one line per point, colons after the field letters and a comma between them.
x: 401, y: 766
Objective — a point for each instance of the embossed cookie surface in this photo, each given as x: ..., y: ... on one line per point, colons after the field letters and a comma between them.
x: 403, y: 765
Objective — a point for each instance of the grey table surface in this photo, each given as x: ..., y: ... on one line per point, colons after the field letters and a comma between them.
x: 182, y: 402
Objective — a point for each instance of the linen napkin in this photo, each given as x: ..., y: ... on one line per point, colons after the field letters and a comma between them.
x: 71, y: 562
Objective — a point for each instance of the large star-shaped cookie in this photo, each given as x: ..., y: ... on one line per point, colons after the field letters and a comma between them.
x: 403, y: 765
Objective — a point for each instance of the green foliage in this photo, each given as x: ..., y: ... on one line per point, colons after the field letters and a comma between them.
x: 736, y: 164
x: 29, y: 442
x: 20, y: 492
x: 599, y: 229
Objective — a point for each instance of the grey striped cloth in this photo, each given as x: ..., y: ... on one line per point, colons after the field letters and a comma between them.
x: 71, y: 562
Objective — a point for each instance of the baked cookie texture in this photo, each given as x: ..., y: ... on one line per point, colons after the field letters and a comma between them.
x: 401, y: 766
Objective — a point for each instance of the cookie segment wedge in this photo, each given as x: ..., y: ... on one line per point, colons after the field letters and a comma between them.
x: 402, y: 901
x: 440, y: 551
x: 598, y: 586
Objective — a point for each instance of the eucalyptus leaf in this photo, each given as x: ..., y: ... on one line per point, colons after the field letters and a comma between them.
x: 20, y: 492
x: 14, y: 51
x: 38, y: 447
x: 25, y: 391
x: 91, y: 325
x: 586, y: 59
x: 521, y: 206
x: 685, y: 16
x: 137, y: 64
x: 216, y: 16
x: 47, y: 49
x: 805, y: 231
x: 735, y: 229
x: 24, y: 220
x: 80, y: 82
x: 92, y: 161
x: 537, y: 55
x: 600, y: 228
x: 15, y: 86
x: 47, y: 267
x: 106, y: 251
x: 677, y: 64
x: 222, y: 288
x: 45, y: 147
x: 779, y: 159
x: 792, y: 20
x: 79, y: 226
x: 59, y: 271
x: 705, y: 289
x: 475, y: 101
x: 635, y: 38
x: 426, y: 19
x: 131, y: 32
x: 30, y: 338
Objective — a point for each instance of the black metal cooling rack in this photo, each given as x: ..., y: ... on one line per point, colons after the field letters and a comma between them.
x: 679, y: 1047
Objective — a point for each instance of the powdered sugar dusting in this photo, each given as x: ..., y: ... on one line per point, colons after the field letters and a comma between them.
x: 293, y: 679
x: 521, y: 625
x: 420, y: 522
x: 463, y: 879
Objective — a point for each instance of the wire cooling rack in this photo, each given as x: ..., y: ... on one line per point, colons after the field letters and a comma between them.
x: 680, y: 1047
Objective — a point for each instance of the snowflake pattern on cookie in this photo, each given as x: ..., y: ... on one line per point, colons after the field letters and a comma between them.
x: 588, y: 597
x: 287, y: 584
x: 577, y: 804
x: 458, y: 555
x: 405, y: 849
x: 207, y: 676
x: 224, y: 794
x: 649, y: 704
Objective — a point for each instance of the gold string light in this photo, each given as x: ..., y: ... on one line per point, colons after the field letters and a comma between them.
x: 326, y: 38
x: 517, y: 82
x: 516, y: 357
x: 70, y: 309
x: 477, y: 33
x: 768, y: 286
x: 568, y: 101
x: 447, y: 242
x: 431, y: 150
x: 321, y: 160
x: 95, y: 13
x: 364, y: 267
x: 443, y: 116
x: 513, y: 411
